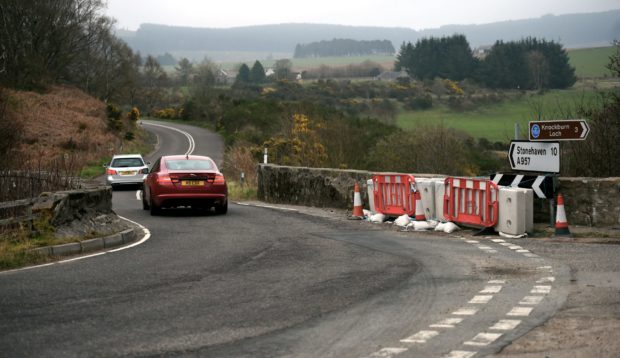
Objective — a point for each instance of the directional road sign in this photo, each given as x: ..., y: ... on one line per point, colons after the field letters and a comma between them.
x: 535, y: 156
x: 574, y: 129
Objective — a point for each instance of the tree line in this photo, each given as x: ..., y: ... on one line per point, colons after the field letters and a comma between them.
x: 344, y: 47
x: 526, y: 64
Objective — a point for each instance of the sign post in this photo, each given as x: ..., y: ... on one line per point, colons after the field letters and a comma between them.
x: 535, y: 156
x: 574, y: 129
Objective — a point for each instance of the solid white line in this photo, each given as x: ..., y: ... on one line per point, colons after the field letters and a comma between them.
x: 531, y: 300
x: 460, y: 354
x: 520, y: 311
x: 192, y: 143
x: 497, y: 282
x: 505, y: 325
x: 447, y: 323
x: 491, y: 289
x: 541, y: 289
x: 546, y: 280
x: 467, y: 311
x: 266, y: 206
x: 147, y: 235
x: 483, y: 339
x: 481, y: 299
x: 420, y: 337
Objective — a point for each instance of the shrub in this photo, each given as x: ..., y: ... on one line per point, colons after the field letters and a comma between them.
x: 134, y: 114
x: 113, y: 111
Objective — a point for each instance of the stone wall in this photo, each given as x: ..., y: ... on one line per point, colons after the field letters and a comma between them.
x: 588, y: 201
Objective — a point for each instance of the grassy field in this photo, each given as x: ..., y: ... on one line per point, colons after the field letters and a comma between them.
x: 591, y: 62
x: 496, y: 121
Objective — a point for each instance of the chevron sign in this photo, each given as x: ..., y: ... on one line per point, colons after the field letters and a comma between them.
x: 542, y: 185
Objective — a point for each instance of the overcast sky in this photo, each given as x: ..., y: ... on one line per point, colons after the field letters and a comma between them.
x: 416, y: 14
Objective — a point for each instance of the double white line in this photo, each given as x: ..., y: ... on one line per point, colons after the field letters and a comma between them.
x: 192, y: 143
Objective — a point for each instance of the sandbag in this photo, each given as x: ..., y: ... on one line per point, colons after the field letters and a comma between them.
x: 402, y: 220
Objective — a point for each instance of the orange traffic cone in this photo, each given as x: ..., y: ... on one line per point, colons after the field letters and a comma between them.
x: 358, y: 209
x: 419, y: 210
x: 561, y: 224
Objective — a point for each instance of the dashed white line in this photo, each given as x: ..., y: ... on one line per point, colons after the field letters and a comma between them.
x: 546, y: 280
x: 498, y: 240
x: 505, y: 244
x: 420, y: 337
x: 491, y: 289
x: 484, y: 247
x: 388, y: 352
x: 531, y: 300
x: 483, y: 339
x: 531, y: 255
x: 481, y: 299
x: 515, y: 247
x: 496, y: 282
x: 460, y: 354
x: 447, y: 323
x: 466, y: 311
x: 139, y: 195
x: 505, y: 325
x: 541, y: 289
x: 472, y: 241
x: 545, y: 268
x: 520, y: 311
x: 522, y: 251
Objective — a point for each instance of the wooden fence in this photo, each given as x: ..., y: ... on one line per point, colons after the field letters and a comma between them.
x: 15, y: 214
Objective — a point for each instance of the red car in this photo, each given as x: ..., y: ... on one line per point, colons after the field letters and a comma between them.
x: 185, y: 180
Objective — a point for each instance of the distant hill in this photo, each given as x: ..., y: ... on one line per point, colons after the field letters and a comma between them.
x: 573, y: 31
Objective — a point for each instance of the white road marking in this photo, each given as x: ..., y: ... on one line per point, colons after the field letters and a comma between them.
x: 460, y: 354
x: 266, y: 206
x: 484, y: 247
x: 546, y: 280
x: 491, y: 289
x: 420, y: 337
x: 541, y: 289
x: 139, y: 195
x: 497, y: 282
x: 505, y: 325
x: 147, y: 235
x: 388, y: 352
x: 505, y: 244
x: 472, y: 241
x: 545, y: 268
x: 531, y: 300
x: 498, y: 240
x: 515, y: 247
x: 481, y: 299
x: 520, y: 311
x: 483, y: 339
x: 466, y: 311
x: 522, y: 251
x: 531, y: 255
x: 492, y: 251
x: 192, y: 143
x: 447, y: 323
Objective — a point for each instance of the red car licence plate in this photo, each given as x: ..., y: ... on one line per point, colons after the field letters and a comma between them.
x: 192, y: 182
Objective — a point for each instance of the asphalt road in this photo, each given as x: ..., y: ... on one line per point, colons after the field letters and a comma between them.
x: 261, y: 282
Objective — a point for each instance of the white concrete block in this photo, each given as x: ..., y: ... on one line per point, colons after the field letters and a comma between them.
x: 371, y: 196
x: 440, y: 190
x: 512, y: 211
x: 426, y: 187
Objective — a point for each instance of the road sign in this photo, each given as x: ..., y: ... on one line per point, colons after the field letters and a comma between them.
x: 534, y: 156
x: 574, y: 129
x: 542, y: 185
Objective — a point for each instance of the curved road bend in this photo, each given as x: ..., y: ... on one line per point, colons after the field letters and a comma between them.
x: 260, y: 283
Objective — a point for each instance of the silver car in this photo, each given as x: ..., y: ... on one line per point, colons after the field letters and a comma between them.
x: 126, y: 169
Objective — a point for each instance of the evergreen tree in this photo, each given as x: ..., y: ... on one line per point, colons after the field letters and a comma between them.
x: 257, y: 73
x: 244, y: 75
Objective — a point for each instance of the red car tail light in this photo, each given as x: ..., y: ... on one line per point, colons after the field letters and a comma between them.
x: 164, y: 179
x: 111, y: 172
x: 219, y: 179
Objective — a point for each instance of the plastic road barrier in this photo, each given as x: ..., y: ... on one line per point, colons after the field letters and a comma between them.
x: 471, y: 202
x: 394, y: 194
